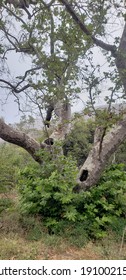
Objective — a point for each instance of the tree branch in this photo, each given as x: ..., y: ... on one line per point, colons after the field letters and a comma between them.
x: 83, y: 27
x: 21, y: 139
x: 17, y: 17
x: 121, y: 58
x: 14, y: 87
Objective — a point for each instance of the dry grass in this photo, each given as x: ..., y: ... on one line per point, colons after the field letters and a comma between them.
x: 14, y: 247
x: 22, y: 240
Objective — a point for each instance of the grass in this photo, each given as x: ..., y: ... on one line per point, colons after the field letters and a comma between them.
x: 24, y: 237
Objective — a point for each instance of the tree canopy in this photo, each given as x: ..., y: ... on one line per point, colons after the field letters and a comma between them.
x: 74, y: 49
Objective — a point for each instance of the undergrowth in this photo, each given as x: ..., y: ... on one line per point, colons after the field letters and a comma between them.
x: 48, y: 191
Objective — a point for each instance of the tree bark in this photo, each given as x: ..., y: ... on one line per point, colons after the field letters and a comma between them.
x: 98, y: 158
x: 63, y: 110
x: 121, y: 59
x: 21, y: 139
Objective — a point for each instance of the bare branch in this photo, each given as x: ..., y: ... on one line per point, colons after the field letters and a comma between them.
x: 20, y: 5
x: 14, y: 87
x: 26, y: 73
x: 21, y: 139
x: 9, y: 36
x: 17, y: 17
x: 50, y: 3
x: 9, y: 49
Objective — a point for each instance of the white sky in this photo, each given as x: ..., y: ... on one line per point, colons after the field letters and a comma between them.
x: 18, y: 66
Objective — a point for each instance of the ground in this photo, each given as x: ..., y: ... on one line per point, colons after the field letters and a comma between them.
x: 21, y: 240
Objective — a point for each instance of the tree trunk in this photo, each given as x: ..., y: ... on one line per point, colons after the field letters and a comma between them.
x: 121, y: 59
x: 63, y: 110
x: 99, y: 156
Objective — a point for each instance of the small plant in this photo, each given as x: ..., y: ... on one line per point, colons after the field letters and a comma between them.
x: 5, y: 203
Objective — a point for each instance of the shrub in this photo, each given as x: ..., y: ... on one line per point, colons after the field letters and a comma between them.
x: 79, y: 141
x: 47, y: 190
x: 105, y: 204
x: 11, y: 159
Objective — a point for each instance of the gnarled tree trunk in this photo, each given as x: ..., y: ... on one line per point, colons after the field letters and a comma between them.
x: 63, y: 110
x: 99, y: 156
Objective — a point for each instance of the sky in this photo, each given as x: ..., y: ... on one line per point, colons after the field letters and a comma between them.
x: 9, y: 108
x: 9, y: 111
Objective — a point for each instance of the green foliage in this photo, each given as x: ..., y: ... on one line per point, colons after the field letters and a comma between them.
x: 5, y: 203
x: 7, y: 167
x: 11, y: 159
x: 78, y: 142
x: 120, y: 154
x: 105, y: 204
x: 47, y: 190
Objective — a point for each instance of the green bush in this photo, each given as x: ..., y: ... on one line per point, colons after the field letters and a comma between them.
x: 47, y: 190
x: 104, y: 206
x: 79, y: 141
x: 11, y: 159
x: 120, y: 154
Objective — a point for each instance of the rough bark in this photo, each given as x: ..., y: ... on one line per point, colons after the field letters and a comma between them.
x: 121, y: 58
x: 63, y: 111
x: 97, y: 160
x: 21, y: 139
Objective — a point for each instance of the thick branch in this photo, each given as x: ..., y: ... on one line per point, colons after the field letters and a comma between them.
x: 63, y: 110
x: 21, y: 139
x: 95, y: 163
x: 121, y: 58
x: 83, y: 27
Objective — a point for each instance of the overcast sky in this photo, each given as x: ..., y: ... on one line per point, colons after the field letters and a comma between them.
x: 18, y: 66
